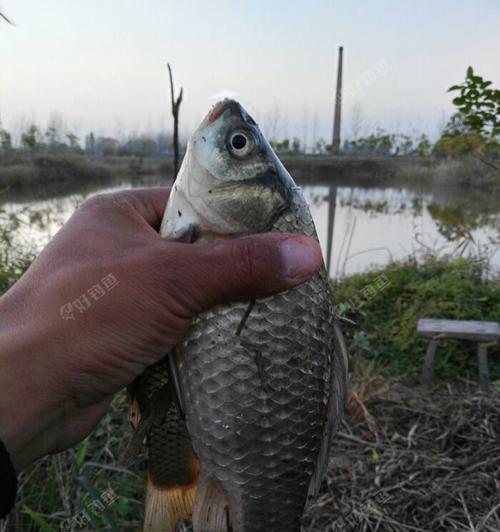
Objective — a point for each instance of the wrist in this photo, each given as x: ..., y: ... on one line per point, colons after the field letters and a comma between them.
x: 29, y: 410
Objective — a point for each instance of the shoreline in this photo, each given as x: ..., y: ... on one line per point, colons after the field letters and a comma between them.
x: 45, y: 172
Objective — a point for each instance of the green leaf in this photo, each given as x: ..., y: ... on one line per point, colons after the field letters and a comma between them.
x: 81, y: 452
x: 470, y: 72
x: 459, y: 100
x: 42, y: 523
x: 454, y: 88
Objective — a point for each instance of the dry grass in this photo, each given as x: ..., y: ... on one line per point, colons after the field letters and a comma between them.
x: 408, y: 459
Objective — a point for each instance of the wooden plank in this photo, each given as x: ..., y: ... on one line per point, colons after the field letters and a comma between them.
x: 483, y: 331
x: 428, y: 369
x: 484, y: 374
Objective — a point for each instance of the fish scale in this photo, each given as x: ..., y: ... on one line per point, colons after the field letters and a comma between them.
x: 258, y: 432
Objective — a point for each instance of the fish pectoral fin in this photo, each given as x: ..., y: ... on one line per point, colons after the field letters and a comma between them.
x: 134, y: 445
x: 211, y: 508
x: 142, y: 420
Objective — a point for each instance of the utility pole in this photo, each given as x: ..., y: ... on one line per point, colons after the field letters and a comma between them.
x: 338, y: 105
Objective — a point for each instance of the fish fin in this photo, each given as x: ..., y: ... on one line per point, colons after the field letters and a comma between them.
x: 173, y: 468
x: 141, y: 420
x: 133, y: 446
x: 134, y: 413
x: 166, y: 505
x: 211, y: 508
x: 335, y: 408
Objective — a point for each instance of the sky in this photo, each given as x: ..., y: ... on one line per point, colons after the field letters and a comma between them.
x: 101, y: 64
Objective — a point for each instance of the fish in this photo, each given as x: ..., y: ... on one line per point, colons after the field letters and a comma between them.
x: 239, y: 417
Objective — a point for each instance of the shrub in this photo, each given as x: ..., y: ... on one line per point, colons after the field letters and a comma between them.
x: 385, y: 330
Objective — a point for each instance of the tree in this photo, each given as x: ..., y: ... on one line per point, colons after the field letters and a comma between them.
x: 475, y: 128
x: 90, y: 144
x: 52, y: 136
x: 295, y: 145
x: 30, y: 138
x: 107, y: 146
x: 423, y: 146
x: 478, y: 105
x: 73, y: 142
x: 5, y: 140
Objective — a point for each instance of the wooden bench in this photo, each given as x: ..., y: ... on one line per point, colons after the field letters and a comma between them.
x: 485, y: 333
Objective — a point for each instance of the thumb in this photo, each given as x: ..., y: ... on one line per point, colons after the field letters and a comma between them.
x: 246, y: 268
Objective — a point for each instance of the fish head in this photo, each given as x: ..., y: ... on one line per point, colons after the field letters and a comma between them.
x: 231, y: 183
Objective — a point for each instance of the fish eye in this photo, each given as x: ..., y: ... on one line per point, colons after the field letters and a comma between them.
x: 241, y: 143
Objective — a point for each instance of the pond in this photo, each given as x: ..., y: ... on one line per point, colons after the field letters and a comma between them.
x: 359, y: 227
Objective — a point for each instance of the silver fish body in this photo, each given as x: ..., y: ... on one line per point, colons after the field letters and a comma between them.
x: 262, y: 386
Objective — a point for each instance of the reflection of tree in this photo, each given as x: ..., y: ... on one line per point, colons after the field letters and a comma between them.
x: 457, y: 223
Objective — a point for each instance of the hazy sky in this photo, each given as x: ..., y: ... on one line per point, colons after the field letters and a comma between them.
x: 101, y: 64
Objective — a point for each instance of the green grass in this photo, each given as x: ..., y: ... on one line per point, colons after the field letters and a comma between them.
x: 84, y: 488
x: 386, y: 317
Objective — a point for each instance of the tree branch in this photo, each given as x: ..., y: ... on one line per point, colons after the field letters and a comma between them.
x: 176, y: 104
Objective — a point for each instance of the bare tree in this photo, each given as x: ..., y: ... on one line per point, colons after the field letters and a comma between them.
x: 305, y: 130
x: 176, y: 103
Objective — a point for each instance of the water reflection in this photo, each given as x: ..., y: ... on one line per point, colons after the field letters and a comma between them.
x: 371, y: 226
x: 358, y: 227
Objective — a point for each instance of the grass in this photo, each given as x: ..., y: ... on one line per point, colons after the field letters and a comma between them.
x: 84, y: 488
x: 386, y: 317
x: 409, y: 459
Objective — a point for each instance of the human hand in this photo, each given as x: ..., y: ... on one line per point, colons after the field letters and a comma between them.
x: 108, y: 297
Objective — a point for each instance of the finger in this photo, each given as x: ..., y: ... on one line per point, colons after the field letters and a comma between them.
x: 242, y: 269
x: 150, y: 203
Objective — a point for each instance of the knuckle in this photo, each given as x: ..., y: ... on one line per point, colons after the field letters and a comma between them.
x: 96, y: 202
x: 105, y: 201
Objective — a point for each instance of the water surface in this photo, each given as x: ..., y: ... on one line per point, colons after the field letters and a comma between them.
x: 369, y: 225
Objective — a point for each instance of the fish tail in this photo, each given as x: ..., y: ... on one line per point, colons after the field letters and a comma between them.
x: 166, y: 505
x: 211, y: 512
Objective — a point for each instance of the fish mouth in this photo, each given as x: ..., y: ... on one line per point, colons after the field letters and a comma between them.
x: 233, y: 107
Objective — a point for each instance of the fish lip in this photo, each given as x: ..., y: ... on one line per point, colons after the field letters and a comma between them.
x: 229, y: 105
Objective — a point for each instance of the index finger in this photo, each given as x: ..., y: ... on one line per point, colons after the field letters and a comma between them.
x: 149, y: 202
